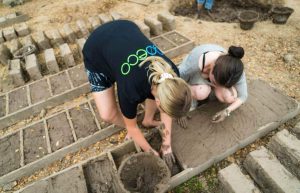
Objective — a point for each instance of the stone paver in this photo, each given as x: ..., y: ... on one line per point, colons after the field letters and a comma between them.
x: 5, y: 54
x: 69, y: 33
x: 269, y: 174
x: 41, y: 40
x: 43, y: 94
x: 9, y: 33
x: 144, y: 28
x: 27, y: 40
x: 55, y: 37
x: 155, y: 26
x: 3, y: 105
x: 71, y: 181
x: 167, y: 20
x: 234, y: 181
x: 51, y: 62
x: 78, y: 75
x: 95, y: 21
x: 214, y: 142
x: 80, y: 43
x: 14, y: 45
x: 33, y: 67
x: 83, y: 28
x: 22, y: 29
x: 296, y: 130
x: 16, y: 73
x: 59, y: 83
x: 104, y: 18
x: 17, y: 99
x: 10, y: 153
x: 67, y: 55
x: 287, y: 149
x: 1, y: 37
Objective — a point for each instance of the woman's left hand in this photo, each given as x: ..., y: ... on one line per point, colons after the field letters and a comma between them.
x: 220, y: 116
x: 167, y: 155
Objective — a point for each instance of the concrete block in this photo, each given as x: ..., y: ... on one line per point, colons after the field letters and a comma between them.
x: 11, y: 16
x: 95, y: 21
x: 143, y: 27
x: 54, y: 37
x: 33, y: 67
x: 22, y: 29
x: 269, y: 174
x: 287, y: 149
x: 14, y: 45
x: 116, y: 15
x: 104, y: 18
x: 154, y: 25
x: 17, y: 100
x: 83, y: 28
x: 296, y: 130
x: 41, y: 40
x: 69, y: 33
x: 232, y: 180
x: 2, y: 21
x: 167, y: 20
x: 9, y: 33
x: 5, y: 54
x: 67, y: 55
x: 80, y: 43
x: 16, y: 73
x: 1, y: 37
x: 51, y: 62
x: 27, y: 40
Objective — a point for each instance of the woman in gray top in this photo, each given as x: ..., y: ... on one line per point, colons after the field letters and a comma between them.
x: 208, y: 67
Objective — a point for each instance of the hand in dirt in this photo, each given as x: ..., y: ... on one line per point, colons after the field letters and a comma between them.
x: 167, y: 155
x: 183, y: 121
x: 220, y: 116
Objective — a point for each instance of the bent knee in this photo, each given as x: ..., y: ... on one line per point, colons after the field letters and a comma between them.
x: 108, y: 116
x: 201, y: 91
x: 226, y: 95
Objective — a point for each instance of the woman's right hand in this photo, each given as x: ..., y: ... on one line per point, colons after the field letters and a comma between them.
x: 152, y: 151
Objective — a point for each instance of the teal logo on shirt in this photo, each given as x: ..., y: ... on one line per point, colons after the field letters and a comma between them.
x: 140, y: 55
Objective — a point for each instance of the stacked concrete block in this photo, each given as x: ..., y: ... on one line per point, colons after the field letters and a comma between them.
x: 51, y: 62
x: 80, y: 43
x: 116, y: 15
x: 16, y: 73
x: 27, y: 40
x: 67, y: 55
x: 22, y: 29
x: 269, y: 174
x: 167, y: 20
x: 104, y: 18
x: 154, y: 25
x: 41, y: 40
x: 83, y: 28
x: 5, y: 54
x: 54, y: 37
x: 287, y: 149
x: 144, y: 28
x: 95, y: 21
x: 33, y: 67
x: 9, y: 33
x: 69, y: 33
x: 232, y: 180
x: 1, y: 37
x: 14, y: 45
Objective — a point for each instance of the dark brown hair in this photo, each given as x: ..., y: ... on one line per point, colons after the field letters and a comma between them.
x: 229, y: 68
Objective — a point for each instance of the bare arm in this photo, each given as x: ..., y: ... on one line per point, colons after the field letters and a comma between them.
x: 137, y: 135
x: 167, y: 128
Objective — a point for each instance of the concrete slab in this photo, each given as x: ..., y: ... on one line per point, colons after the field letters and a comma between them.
x: 101, y: 176
x: 71, y: 181
x: 204, y: 140
x: 78, y: 75
x: 43, y: 94
x: 3, y: 105
x: 59, y: 83
x: 287, y: 149
x: 10, y: 153
x: 35, y: 145
x: 232, y: 180
x: 83, y: 121
x: 17, y: 99
x: 269, y: 174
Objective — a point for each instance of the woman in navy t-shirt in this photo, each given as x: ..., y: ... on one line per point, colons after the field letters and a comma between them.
x: 118, y: 52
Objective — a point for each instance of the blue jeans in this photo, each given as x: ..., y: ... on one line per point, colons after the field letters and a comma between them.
x: 207, y: 3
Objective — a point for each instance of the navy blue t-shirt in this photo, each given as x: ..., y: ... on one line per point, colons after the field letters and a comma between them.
x: 115, y: 51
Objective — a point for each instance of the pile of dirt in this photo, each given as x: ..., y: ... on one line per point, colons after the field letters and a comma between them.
x: 222, y: 11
